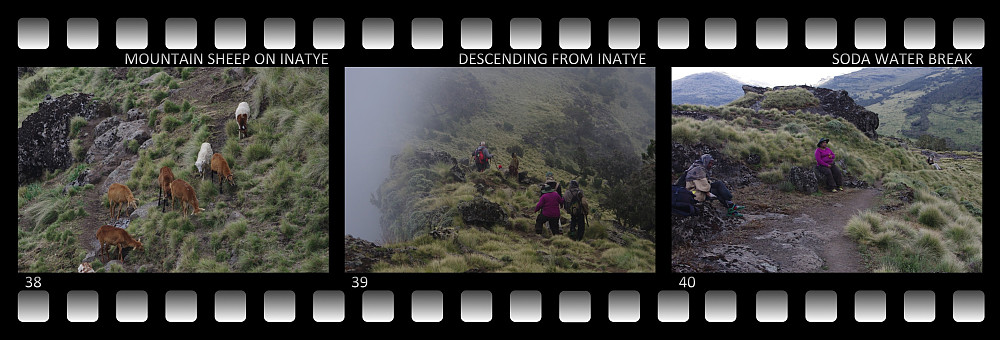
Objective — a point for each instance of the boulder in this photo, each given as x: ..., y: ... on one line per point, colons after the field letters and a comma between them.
x: 361, y: 255
x: 803, y: 179
x: 134, y: 114
x: 457, y: 173
x: 481, y: 212
x: 693, y: 230
x: 42, y: 139
x: 109, y: 145
x: 150, y: 79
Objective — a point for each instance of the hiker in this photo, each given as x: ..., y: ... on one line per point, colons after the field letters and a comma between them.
x: 577, y: 209
x: 549, y: 205
x: 825, y: 165
x: 550, y: 179
x: 697, y: 181
x: 482, y: 156
x: 512, y: 167
x: 930, y: 161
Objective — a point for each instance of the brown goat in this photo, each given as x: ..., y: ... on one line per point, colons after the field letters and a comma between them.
x: 166, y: 176
x: 108, y: 235
x: 220, y: 166
x: 182, y: 190
x: 122, y: 196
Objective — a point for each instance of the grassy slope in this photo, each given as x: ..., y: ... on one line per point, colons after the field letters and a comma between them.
x: 530, y: 100
x: 275, y: 219
x: 786, y: 139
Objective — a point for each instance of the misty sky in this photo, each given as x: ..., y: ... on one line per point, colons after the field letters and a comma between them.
x: 769, y: 76
x: 378, y: 102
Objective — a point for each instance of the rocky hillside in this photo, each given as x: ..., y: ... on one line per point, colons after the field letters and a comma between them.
x: 823, y: 102
x: 129, y: 123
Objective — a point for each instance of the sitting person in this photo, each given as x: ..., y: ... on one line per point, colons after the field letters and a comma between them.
x: 930, y: 161
x: 825, y: 165
x: 698, y: 182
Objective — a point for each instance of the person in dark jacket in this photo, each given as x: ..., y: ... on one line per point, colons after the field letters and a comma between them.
x: 577, y: 211
x: 549, y: 205
x: 513, y: 168
x: 483, y: 163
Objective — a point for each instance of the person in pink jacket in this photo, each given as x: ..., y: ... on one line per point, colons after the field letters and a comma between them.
x: 549, y: 205
x: 826, y: 165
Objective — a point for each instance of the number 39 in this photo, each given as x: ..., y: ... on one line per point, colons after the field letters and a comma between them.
x: 359, y: 282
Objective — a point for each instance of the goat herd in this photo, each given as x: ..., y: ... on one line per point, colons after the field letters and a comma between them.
x: 171, y: 188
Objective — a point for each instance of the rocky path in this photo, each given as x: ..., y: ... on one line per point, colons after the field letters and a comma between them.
x: 806, y: 239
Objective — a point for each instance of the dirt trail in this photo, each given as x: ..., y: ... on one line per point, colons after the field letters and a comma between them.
x: 807, y: 237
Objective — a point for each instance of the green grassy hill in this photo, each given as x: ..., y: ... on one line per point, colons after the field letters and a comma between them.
x: 276, y: 217
x: 946, y: 103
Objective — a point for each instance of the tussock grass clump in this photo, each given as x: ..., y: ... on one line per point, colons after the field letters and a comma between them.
x: 931, y: 217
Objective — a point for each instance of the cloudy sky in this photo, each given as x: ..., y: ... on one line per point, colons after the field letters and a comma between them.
x: 769, y: 76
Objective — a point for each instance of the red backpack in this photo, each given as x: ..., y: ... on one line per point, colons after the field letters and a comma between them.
x: 481, y: 158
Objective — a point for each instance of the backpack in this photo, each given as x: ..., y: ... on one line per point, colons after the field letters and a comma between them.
x: 681, y: 180
x: 578, y: 206
x: 682, y: 202
x: 480, y: 158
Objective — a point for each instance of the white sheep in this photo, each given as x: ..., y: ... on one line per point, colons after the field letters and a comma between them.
x: 204, y: 156
x: 244, y: 111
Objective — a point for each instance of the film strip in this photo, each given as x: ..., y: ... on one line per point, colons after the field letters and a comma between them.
x: 358, y: 47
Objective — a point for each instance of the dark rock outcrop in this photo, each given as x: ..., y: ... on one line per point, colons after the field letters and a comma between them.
x: 481, y: 212
x: 733, y: 172
x: 693, y: 230
x: 361, y: 255
x: 834, y: 103
x: 42, y: 139
x: 803, y: 179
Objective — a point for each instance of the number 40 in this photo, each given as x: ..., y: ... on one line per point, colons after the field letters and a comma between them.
x: 687, y: 282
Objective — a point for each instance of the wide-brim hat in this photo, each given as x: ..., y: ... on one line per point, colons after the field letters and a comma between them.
x: 547, y: 189
x: 821, y: 140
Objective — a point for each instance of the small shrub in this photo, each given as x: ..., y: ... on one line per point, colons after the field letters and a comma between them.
x: 257, y: 151
x: 35, y: 88
x: 159, y: 96
x: 786, y: 186
x: 171, y: 107
x: 75, y: 125
x: 170, y: 123
x: 77, y: 150
x: 931, y: 217
x: 131, y: 145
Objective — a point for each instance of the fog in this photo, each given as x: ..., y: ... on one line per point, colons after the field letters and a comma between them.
x: 379, y: 114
